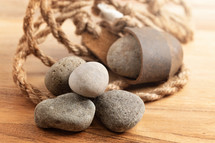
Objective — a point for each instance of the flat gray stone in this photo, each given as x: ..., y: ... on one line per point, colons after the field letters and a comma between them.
x: 69, y: 112
x: 89, y: 79
x: 56, y: 79
x: 119, y: 110
x: 124, y: 57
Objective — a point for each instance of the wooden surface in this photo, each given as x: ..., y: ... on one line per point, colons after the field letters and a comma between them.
x: 188, y: 116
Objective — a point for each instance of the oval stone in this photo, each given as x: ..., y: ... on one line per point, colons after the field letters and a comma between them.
x: 56, y: 79
x: 69, y: 112
x: 89, y: 79
x: 119, y: 110
x: 124, y: 57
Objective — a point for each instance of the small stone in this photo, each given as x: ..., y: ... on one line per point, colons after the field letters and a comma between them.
x: 56, y: 79
x: 89, y: 79
x: 109, y: 13
x: 119, y: 110
x: 69, y: 112
x: 124, y: 57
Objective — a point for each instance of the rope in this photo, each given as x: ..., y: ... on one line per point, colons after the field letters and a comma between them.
x: 53, y: 14
x: 170, y: 87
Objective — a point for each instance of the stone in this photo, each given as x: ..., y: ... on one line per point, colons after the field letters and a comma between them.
x: 124, y: 57
x: 70, y: 112
x: 89, y: 79
x: 56, y: 79
x: 109, y: 13
x: 119, y: 110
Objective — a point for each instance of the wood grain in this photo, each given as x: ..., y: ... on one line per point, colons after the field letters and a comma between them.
x: 188, y: 116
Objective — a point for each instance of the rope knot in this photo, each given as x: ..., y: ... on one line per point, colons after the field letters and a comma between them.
x: 83, y: 22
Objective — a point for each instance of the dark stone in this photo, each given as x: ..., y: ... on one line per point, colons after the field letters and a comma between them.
x: 119, y: 110
x: 69, y: 112
x: 57, y: 77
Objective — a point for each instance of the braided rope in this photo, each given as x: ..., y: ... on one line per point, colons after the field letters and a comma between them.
x: 170, y: 87
x: 154, y: 16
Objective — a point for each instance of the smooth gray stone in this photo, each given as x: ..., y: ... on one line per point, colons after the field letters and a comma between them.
x: 124, y: 57
x: 56, y: 79
x: 119, y: 110
x: 89, y: 79
x: 69, y: 112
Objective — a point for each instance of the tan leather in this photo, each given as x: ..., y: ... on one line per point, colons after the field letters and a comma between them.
x: 99, y: 46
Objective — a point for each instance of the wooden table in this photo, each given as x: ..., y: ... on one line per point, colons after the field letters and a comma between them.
x: 188, y: 116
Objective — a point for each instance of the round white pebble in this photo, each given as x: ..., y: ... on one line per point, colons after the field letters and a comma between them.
x: 89, y: 79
